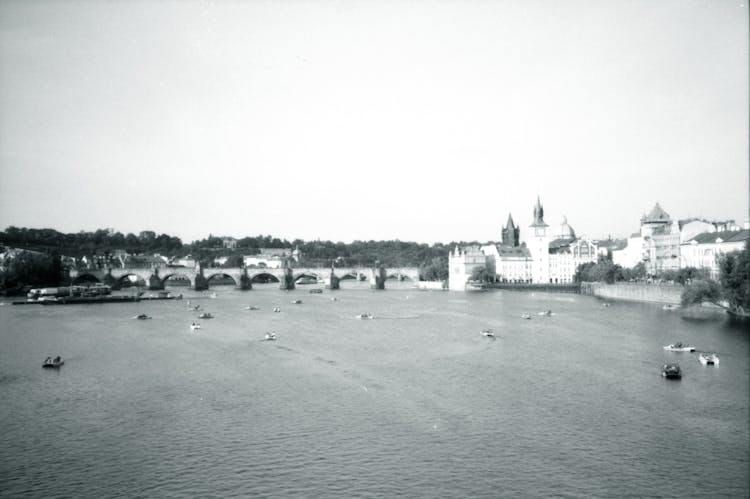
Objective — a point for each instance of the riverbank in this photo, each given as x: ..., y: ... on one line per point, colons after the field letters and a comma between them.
x: 635, y: 291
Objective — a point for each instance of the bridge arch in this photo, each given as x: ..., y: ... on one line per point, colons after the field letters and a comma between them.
x: 176, y: 276
x: 223, y: 276
x: 263, y: 277
x: 85, y: 278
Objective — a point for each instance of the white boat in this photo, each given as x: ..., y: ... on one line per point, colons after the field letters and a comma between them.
x: 277, y: 309
x: 708, y: 359
x: 488, y: 333
x: 252, y: 307
x: 525, y: 316
x: 194, y: 326
x: 296, y: 302
x: 364, y: 316
x: 679, y: 347
x: 669, y: 307
x: 206, y: 315
x: 53, y: 363
x: 270, y: 336
x: 546, y: 313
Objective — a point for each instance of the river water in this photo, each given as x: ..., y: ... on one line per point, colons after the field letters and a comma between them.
x: 413, y: 403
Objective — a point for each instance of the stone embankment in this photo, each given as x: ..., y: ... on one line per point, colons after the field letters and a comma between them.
x: 635, y: 291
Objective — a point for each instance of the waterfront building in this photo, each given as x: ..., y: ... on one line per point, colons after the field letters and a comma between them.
x: 462, y: 262
x: 542, y: 259
x: 661, y: 241
x: 704, y: 250
x: 631, y: 253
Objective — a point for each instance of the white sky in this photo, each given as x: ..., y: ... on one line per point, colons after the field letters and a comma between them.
x: 415, y: 120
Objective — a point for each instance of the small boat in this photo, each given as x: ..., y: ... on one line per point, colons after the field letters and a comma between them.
x: 52, y: 363
x: 142, y: 317
x: 708, y: 359
x: 679, y: 347
x: 252, y: 307
x: 296, y: 302
x: 270, y: 336
x: 364, y: 316
x: 525, y: 316
x: 206, y: 315
x: 194, y: 326
x: 277, y: 309
x: 546, y: 313
x: 605, y: 304
x: 334, y: 299
x: 671, y: 371
x: 213, y: 295
x: 488, y: 333
x: 669, y: 307
x: 316, y: 291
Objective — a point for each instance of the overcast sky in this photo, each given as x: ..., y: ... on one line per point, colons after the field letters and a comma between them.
x: 424, y: 121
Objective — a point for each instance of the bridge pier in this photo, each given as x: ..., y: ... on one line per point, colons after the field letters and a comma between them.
x: 110, y: 280
x: 245, y: 282
x: 377, y: 281
x: 332, y: 281
x: 154, y: 281
x: 200, y: 283
x: 287, y: 279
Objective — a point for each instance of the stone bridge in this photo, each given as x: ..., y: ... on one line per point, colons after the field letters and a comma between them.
x: 200, y: 278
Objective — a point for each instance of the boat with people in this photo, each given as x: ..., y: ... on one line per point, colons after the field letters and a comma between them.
x: 270, y: 336
x: 671, y: 371
x: 708, y: 359
x: 195, y: 326
x: 669, y: 306
x: 142, y: 317
x: 296, y: 302
x: 206, y: 315
x: 364, y: 316
x: 277, y: 309
x: 546, y: 313
x: 679, y: 347
x: 487, y: 333
x: 315, y: 291
x: 526, y: 316
x: 252, y: 307
x: 49, y: 362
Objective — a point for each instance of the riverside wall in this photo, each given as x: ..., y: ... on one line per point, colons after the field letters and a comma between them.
x: 634, y: 291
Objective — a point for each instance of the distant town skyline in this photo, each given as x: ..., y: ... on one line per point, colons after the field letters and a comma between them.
x: 426, y: 122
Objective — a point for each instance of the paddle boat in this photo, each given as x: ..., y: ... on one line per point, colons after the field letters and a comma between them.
x: 488, y: 333
x: 194, y: 326
x: 525, y: 316
x: 252, y: 307
x: 671, y: 371
x: 364, y: 316
x: 546, y: 313
x: 49, y: 362
x: 270, y: 336
x: 679, y: 347
x: 206, y: 315
x: 277, y: 309
x: 708, y: 359
x: 142, y: 317
x: 296, y: 302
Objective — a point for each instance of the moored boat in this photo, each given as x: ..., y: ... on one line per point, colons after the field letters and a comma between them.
x: 671, y: 371
x: 679, y: 347
x: 708, y: 359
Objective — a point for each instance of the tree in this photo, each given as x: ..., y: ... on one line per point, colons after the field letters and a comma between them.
x: 479, y: 274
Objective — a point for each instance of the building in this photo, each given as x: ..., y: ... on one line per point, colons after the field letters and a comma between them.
x: 703, y: 251
x: 542, y: 259
x: 661, y: 241
x: 462, y: 263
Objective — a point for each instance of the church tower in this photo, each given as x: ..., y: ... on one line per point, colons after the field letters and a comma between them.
x: 538, y: 243
x: 510, y: 233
